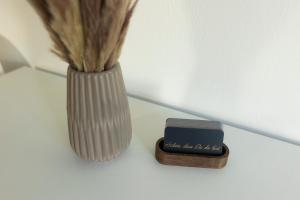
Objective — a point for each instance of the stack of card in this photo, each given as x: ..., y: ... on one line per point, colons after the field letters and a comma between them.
x: 193, y: 136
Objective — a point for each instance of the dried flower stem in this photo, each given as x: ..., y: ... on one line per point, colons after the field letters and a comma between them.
x: 88, y: 34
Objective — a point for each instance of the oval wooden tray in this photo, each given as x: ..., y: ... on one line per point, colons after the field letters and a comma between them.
x: 190, y: 160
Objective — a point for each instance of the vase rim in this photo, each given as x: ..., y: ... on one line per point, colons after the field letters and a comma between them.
x: 114, y: 68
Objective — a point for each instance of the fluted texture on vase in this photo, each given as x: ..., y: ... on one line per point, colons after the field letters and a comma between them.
x: 98, y: 114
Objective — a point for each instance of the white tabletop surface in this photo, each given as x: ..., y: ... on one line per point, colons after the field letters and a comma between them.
x: 37, y: 162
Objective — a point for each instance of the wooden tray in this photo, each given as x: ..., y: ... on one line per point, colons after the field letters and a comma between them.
x: 190, y: 160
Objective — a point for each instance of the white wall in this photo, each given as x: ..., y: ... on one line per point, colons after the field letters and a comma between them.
x: 234, y: 60
x: 21, y: 26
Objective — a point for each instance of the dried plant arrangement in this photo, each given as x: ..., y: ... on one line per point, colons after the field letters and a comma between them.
x: 88, y: 34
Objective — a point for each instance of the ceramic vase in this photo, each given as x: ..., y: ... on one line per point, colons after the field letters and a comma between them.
x: 98, y: 114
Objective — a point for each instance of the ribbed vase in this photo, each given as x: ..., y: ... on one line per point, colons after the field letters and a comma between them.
x: 98, y: 114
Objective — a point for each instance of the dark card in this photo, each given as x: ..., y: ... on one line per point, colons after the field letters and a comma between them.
x: 193, y: 136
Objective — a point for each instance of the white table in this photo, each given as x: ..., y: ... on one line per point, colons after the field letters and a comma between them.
x: 37, y: 162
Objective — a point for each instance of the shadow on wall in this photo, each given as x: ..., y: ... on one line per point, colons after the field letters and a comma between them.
x: 10, y: 57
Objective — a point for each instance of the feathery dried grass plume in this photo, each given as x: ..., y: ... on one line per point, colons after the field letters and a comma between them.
x: 88, y: 34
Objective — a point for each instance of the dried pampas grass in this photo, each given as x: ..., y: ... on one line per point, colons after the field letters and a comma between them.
x: 88, y: 34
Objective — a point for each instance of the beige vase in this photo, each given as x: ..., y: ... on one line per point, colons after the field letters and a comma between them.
x: 98, y: 114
